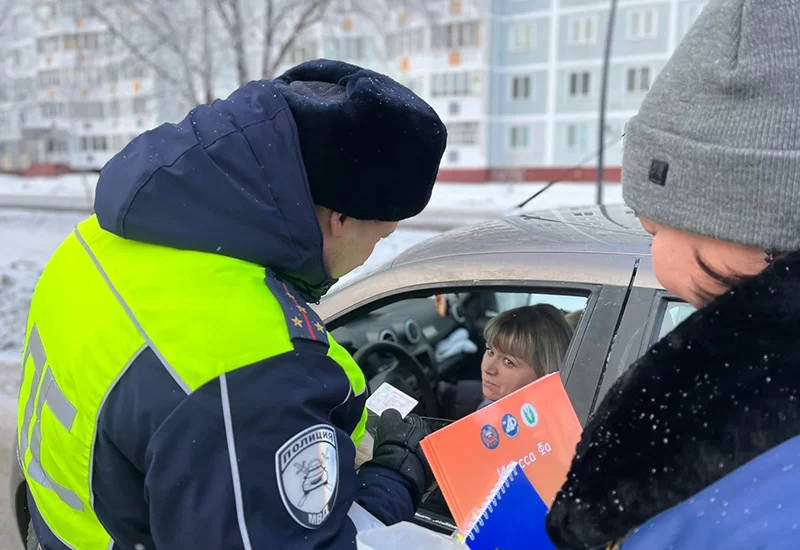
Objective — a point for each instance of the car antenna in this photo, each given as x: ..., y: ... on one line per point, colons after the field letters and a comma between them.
x: 550, y: 184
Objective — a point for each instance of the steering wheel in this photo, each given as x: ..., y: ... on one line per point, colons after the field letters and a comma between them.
x: 405, y: 366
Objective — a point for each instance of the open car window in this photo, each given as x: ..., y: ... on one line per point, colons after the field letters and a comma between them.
x: 431, y: 346
x: 673, y: 313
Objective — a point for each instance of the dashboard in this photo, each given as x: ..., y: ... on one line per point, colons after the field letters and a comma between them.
x: 415, y: 324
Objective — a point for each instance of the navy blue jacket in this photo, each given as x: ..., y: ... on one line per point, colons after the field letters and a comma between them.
x: 228, y: 179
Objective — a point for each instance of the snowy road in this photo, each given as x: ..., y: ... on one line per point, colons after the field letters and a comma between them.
x: 27, y: 239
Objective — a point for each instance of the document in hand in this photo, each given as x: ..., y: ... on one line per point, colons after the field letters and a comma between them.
x: 536, y: 427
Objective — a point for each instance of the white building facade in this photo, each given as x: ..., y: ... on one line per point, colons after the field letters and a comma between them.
x: 516, y: 81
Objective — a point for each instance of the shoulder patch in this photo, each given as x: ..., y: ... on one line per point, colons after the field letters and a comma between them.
x: 307, y: 471
x: 301, y: 320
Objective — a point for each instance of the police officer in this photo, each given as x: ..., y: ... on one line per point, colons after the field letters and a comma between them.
x: 178, y: 390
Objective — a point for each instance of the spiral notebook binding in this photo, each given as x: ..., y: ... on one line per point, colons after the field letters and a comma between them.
x: 495, y: 495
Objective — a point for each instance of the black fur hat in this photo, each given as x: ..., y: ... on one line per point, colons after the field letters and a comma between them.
x: 371, y: 147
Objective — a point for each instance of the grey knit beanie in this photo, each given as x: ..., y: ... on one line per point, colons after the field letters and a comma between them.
x: 715, y: 147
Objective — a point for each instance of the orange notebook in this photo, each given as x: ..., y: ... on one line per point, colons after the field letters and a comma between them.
x: 535, y: 426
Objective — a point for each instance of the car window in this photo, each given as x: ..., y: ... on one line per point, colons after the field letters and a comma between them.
x: 566, y: 303
x: 675, y: 313
x: 444, y: 334
x: 431, y: 347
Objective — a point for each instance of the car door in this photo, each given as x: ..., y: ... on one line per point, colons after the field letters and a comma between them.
x: 650, y: 313
x: 606, y: 278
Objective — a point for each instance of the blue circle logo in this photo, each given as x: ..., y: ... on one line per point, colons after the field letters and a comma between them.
x: 510, y: 425
x: 490, y: 437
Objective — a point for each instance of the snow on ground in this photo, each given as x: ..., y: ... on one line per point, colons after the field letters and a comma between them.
x: 68, y: 185
x: 28, y: 239
x: 492, y: 197
x: 386, y: 250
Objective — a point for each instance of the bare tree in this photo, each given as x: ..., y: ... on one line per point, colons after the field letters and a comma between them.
x: 173, y: 38
x: 230, y: 12
x: 189, y: 43
x: 277, y: 26
x: 291, y: 18
x: 6, y: 7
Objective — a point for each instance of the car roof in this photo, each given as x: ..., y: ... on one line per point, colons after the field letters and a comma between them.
x: 592, y: 229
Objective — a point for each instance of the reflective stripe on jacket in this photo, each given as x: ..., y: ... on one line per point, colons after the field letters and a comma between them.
x: 102, y: 304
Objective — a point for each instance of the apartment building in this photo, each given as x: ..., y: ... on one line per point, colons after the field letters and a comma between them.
x: 516, y: 81
x: 547, y: 61
x: 78, y: 96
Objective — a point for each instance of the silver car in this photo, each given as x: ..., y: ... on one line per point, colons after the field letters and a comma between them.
x: 400, y: 321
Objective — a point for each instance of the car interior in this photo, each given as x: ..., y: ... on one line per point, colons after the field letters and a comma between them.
x: 417, y: 343
x: 422, y: 345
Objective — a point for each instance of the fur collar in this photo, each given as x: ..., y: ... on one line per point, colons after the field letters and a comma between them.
x: 718, y: 391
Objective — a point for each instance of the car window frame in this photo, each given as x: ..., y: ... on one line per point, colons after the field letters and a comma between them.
x: 590, y: 343
x: 664, y: 300
x: 634, y: 338
x: 589, y: 291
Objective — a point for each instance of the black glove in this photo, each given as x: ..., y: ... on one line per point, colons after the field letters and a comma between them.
x: 397, y: 448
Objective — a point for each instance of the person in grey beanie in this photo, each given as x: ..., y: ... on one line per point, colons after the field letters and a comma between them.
x: 696, y: 446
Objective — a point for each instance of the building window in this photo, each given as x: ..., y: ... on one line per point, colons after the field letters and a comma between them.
x: 48, y: 79
x: 692, y: 12
x: 408, y: 42
x: 88, y: 41
x: 580, y: 84
x: 577, y: 136
x: 521, y: 88
x: 88, y: 109
x: 452, y: 156
x: 351, y: 47
x: 519, y: 137
x: 47, y: 45
x: 464, y: 34
x: 583, y: 31
x: 70, y: 42
x: 454, y: 108
x: 300, y: 52
x: 523, y: 37
x: 139, y: 105
x: 642, y: 24
x: 94, y: 143
x: 638, y: 80
x: 414, y: 84
x: 455, y: 84
x: 56, y: 146
x: 52, y: 110
x: 118, y: 143
x: 462, y: 133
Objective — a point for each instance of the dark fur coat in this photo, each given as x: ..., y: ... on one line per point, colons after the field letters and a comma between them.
x: 721, y: 389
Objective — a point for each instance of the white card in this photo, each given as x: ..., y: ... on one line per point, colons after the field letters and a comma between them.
x: 389, y: 397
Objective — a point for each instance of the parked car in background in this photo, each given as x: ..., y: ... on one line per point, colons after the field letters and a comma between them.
x: 593, y: 263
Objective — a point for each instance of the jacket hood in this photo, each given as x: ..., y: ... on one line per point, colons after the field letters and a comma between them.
x: 228, y: 179
x: 714, y: 394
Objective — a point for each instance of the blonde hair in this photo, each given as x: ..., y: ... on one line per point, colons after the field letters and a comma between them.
x: 539, y: 335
